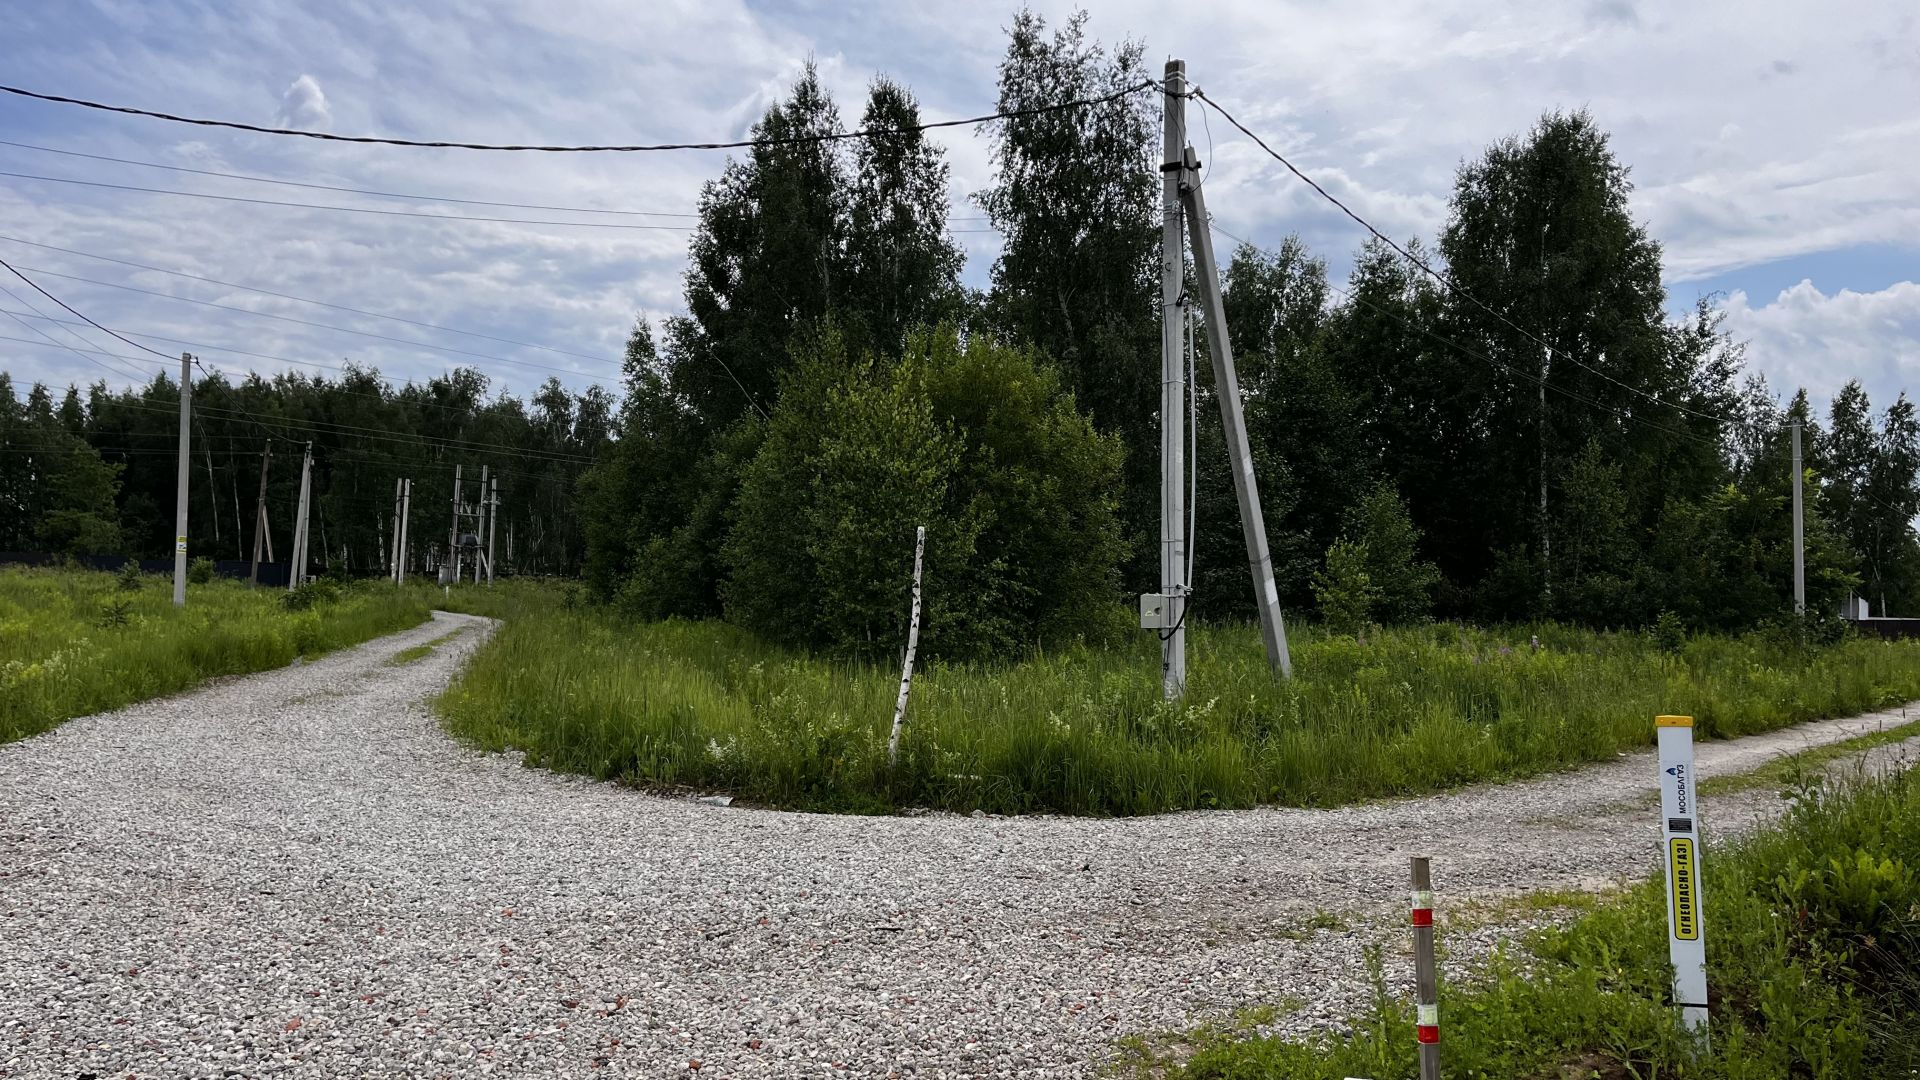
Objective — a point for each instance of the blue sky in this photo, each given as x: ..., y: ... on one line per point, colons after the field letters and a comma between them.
x: 1770, y: 143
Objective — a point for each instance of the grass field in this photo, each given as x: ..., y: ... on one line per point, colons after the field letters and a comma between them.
x: 1084, y: 731
x: 1813, y: 957
x: 76, y: 642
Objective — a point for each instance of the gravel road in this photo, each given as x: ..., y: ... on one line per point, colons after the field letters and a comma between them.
x: 296, y: 874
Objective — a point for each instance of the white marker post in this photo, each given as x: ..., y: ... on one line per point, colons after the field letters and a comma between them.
x: 1680, y: 848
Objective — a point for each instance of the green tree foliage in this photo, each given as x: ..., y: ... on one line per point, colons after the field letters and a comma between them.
x: 114, y: 494
x: 1872, y: 488
x: 1074, y: 197
x: 56, y: 493
x: 904, y: 269
x: 972, y: 439
x: 1403, y: 582
x: 1344, y: 590
x: 1541, y: 235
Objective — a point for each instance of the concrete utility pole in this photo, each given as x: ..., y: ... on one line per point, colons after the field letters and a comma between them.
x: 1173, y: 392
x: 406, y: 513
x: 1273, y: 628
x: 180, y: 490
x: 260, y: 517
x: 493, y: 525
x: 453, y: 535
x: 297, y: 557
x: 393, y: 556
x: 1799, y: 531
x: 480, y: 528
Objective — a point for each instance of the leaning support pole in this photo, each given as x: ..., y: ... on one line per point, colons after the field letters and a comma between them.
x: 913, y: 643
x: 260, y: 518
x: 1426, y: 972
x: 1226, y: 384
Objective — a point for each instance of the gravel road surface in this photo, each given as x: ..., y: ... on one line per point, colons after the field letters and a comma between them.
x: 297, y: 874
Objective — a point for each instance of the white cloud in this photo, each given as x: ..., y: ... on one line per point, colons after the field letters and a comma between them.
x: 304, y: 106
x: 1805, y: 337
x: 1755, y: 133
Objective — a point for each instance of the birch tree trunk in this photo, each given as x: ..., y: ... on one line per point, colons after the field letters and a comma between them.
x: 913, y: 643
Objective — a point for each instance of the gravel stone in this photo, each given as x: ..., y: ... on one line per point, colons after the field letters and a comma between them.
x: 298, y: 874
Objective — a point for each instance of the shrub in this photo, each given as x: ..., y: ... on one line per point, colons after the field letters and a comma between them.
x: 1344, y: 589
x: 1403, y: 583
x: 200, y: 571
x: 127, y: 578
x: 312, y: 594
x: 974, y: 440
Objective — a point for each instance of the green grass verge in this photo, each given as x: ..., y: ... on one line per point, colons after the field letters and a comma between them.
x: 74, y: 643
x: 1789, y: 769
x: 1084, y: 730
x: 419, y: 652
x: 1813, y: 932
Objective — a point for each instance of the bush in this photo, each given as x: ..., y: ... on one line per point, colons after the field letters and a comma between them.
x: 312, y: 594
x: 128, y: 578
x: 977, y: 442
x: 1402, y: 582
x: 200, y: 571
x: 1344, y: 589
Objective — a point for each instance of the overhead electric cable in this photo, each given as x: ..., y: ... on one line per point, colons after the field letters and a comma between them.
x: 415, y: 196
x: 36, y: 288
x: 784, y: 140
x: 1445, y: 279
x: 306, y: 300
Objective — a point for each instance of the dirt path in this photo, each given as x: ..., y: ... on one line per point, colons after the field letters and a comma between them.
x: 297, y: 874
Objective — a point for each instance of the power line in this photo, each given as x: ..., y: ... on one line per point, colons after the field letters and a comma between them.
x: 49, y: 338
x: 784, y: 140
x: 290, y: 319
x: 332, y: 388
x: 345, y: 209
x: 71, y: 311
x: 347, y: 190
x: 305, y: 300
x: 370, y: 191
x: 1476, y: 354
x: 1444, y: 279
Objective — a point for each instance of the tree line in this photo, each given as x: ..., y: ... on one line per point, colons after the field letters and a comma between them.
x: 1534, y: 437
x: 94, y: 471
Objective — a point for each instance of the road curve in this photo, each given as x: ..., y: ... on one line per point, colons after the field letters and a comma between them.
x: 298, y: 874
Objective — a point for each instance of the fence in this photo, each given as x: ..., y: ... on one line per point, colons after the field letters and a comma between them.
x: 274, y: 574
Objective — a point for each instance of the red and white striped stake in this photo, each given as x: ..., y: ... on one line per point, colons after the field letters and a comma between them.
x: 1426, y: 972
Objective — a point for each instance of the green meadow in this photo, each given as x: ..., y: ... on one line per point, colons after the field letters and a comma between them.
x: 75, y: 642
x: 1084, y: 730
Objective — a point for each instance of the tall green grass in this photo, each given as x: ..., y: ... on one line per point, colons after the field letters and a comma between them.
x: 75, y: 642
x: 1084, y: 730
x: 1813, y: 958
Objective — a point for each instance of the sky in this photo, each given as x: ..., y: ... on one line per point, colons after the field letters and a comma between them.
x: 1771, y: 157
